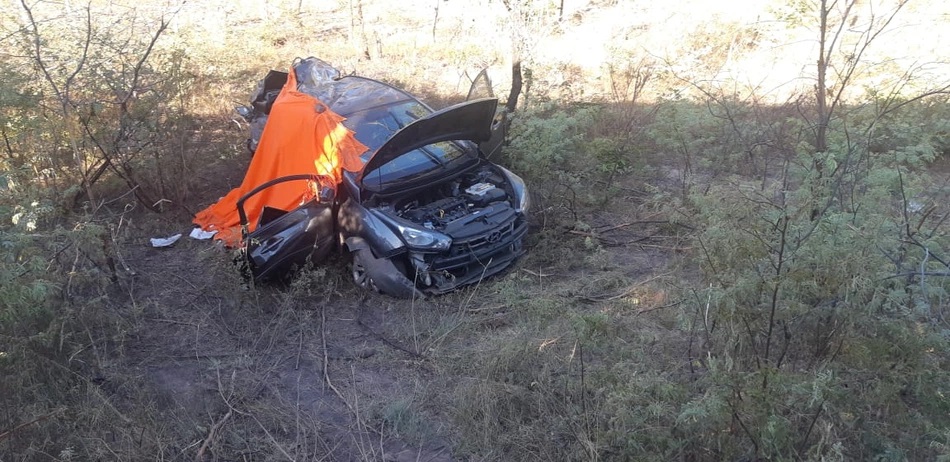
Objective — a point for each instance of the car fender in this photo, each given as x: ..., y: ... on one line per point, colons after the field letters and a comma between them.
x: 356, y: 221
x: 355, y: 243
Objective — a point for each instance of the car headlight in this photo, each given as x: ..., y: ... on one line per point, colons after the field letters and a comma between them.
x: 522, y: 197
x: 524, y: 200
x: 424, y: 239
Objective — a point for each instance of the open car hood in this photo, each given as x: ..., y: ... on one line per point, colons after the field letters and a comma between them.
x: 471, y: 121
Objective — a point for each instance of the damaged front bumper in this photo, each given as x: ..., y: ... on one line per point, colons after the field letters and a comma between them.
x: 469, y: 261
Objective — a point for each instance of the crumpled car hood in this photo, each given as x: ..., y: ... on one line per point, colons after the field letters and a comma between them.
x: 466, y: 121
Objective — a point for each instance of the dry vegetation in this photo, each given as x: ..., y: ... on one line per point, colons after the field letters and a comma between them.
x: 724, y: 263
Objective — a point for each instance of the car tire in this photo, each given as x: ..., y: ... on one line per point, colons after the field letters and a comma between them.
x: 360, y: 270
x: 380, y: 275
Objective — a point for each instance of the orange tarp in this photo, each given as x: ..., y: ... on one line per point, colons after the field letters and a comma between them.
x: 302, y: 136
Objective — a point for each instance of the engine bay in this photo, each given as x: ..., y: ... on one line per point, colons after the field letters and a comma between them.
x: 442, y: 205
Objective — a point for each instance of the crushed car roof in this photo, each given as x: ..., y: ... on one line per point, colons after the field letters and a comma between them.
x: 344, y: 94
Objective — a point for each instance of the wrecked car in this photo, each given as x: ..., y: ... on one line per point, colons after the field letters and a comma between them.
x: 426, y: 214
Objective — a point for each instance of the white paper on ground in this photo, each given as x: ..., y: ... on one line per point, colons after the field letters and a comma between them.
x: 165, y: 241
x: 200, y: 234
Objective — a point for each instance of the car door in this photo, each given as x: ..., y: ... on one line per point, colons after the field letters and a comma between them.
x: 288, y: 239
x: 482, y: 88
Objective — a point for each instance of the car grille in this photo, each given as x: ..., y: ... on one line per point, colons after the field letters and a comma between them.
x: 500, y: 245
x: 499, y: 235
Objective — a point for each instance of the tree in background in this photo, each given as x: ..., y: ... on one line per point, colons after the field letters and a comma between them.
x: 815, y: 273
x: 106, y: 102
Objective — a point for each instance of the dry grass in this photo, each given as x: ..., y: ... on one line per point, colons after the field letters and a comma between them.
x: 580, y: 352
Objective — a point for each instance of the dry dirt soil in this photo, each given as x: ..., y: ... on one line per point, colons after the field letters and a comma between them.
x: 301, y: 369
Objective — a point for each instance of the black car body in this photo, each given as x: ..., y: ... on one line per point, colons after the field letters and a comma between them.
x: 428, y: 213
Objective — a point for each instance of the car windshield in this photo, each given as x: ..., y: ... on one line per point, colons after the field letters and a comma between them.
x: 374, y: 126
x: 416, y: 163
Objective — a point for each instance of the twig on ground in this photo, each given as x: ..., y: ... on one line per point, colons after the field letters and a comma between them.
x: 665, y: 247
x: 172, y: 321
x: 539, y: 273
x: 326, y: 369
x: 272, y: 439
x: 583, y: 234
x: 211, y: 434
x: 39, y: 419
x: 206, y: 356
x: 299, y: 349
x: 625, y: 293
x: 655, y: 308
x: 496, y: 307
x: 387, y: 341
x: 445, y: 334
x: 613, y: 243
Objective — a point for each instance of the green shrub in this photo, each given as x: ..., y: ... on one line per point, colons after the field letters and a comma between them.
x: 813, y: 280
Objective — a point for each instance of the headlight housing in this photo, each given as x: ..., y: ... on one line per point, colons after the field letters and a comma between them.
x: 423, y: 239
x: 522, y: 198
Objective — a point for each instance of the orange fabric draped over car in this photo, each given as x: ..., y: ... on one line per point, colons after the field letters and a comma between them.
x: 302, y: 136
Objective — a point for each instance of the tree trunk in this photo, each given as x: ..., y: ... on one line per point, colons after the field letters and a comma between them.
x: 821, y: 132
x: 516, y: 83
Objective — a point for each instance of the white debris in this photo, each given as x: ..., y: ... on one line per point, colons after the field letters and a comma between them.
x: 200, y: 234
x: 165, y: 241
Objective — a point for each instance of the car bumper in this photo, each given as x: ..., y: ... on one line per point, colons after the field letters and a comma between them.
x: 471, y: 261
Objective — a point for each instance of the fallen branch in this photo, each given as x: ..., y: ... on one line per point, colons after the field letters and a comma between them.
x: 582, y: 233
x: 496, y: 307
x: 211, y: 434
x: 39, y: 419
x: 645, y: 222
x: 655, y: 308
x: 539, y: 274
x: 387, y: 341
x: 172, y: 321
x: 667, y: 247
x: 612, y: 243
x: 918, y: 273
x: 623, y: 294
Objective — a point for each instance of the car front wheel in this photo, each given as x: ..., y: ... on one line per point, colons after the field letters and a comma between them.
x: 361, y: 276
x: 381, y: 275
